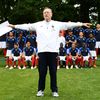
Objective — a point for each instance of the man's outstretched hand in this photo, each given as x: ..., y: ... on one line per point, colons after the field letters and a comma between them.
x: 87, y: 24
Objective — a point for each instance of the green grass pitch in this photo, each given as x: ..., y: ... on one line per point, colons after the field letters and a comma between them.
x: 75, y: 84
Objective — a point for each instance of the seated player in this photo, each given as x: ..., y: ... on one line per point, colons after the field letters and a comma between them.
x: 15, y: 56
x: 85, y: 55
x: 91, y: 42
x: 72, y: 57
x: 70, y: 38
x: 21, y: 40
x: 62, y: 56
x: 28, y: 55
x: 10, y: 45
x: 81, y: 39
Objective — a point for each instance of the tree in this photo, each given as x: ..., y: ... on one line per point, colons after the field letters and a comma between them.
x: 85, y: 5
x: 5, y: 8
x: 28, y: 11
x: 98, y: 9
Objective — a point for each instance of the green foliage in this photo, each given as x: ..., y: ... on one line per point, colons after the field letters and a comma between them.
x: 28, y: 11
x: 6, y: 8
x: 31, y: 11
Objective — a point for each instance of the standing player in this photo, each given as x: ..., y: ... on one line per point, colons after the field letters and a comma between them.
x: 70, y: 39
x: 81, y: 39
x: 77, y: 30
x: 21, y: 40
x: 10, y: 45
x: 91, y: 42
x: 28, y: 55
x: 16, y: 56
x: 97, y: 34
x: 87, y: 31
x: 73, y: 57
x: 85, y: 55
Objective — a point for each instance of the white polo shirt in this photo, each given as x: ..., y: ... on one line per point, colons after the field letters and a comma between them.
x: 48, y: 33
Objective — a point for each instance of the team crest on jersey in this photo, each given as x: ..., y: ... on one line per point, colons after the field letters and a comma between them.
x: 93, y: 40
x: 53, y: 27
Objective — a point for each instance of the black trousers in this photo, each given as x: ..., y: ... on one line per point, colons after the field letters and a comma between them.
x: 47, y: 59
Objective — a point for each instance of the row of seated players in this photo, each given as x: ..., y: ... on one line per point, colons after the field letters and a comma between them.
x: 22, y: 56
x: 73, y: 56
x: 76, y: 57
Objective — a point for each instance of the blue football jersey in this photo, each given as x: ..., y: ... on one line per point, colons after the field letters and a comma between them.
x: 72, y: 51
x: 10, y: 43
x: 62, y: 51
x: 80, y: 41
x: 97, y: 35
x: 21, y: 42
x: 72, y: 38
x: 16, y: 51
x: 31, y: 39
x: 84, y: 51
x: 28, y: 51
x: 91, y: 42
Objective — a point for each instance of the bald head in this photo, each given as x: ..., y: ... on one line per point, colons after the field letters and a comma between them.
x: 47, y: 14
